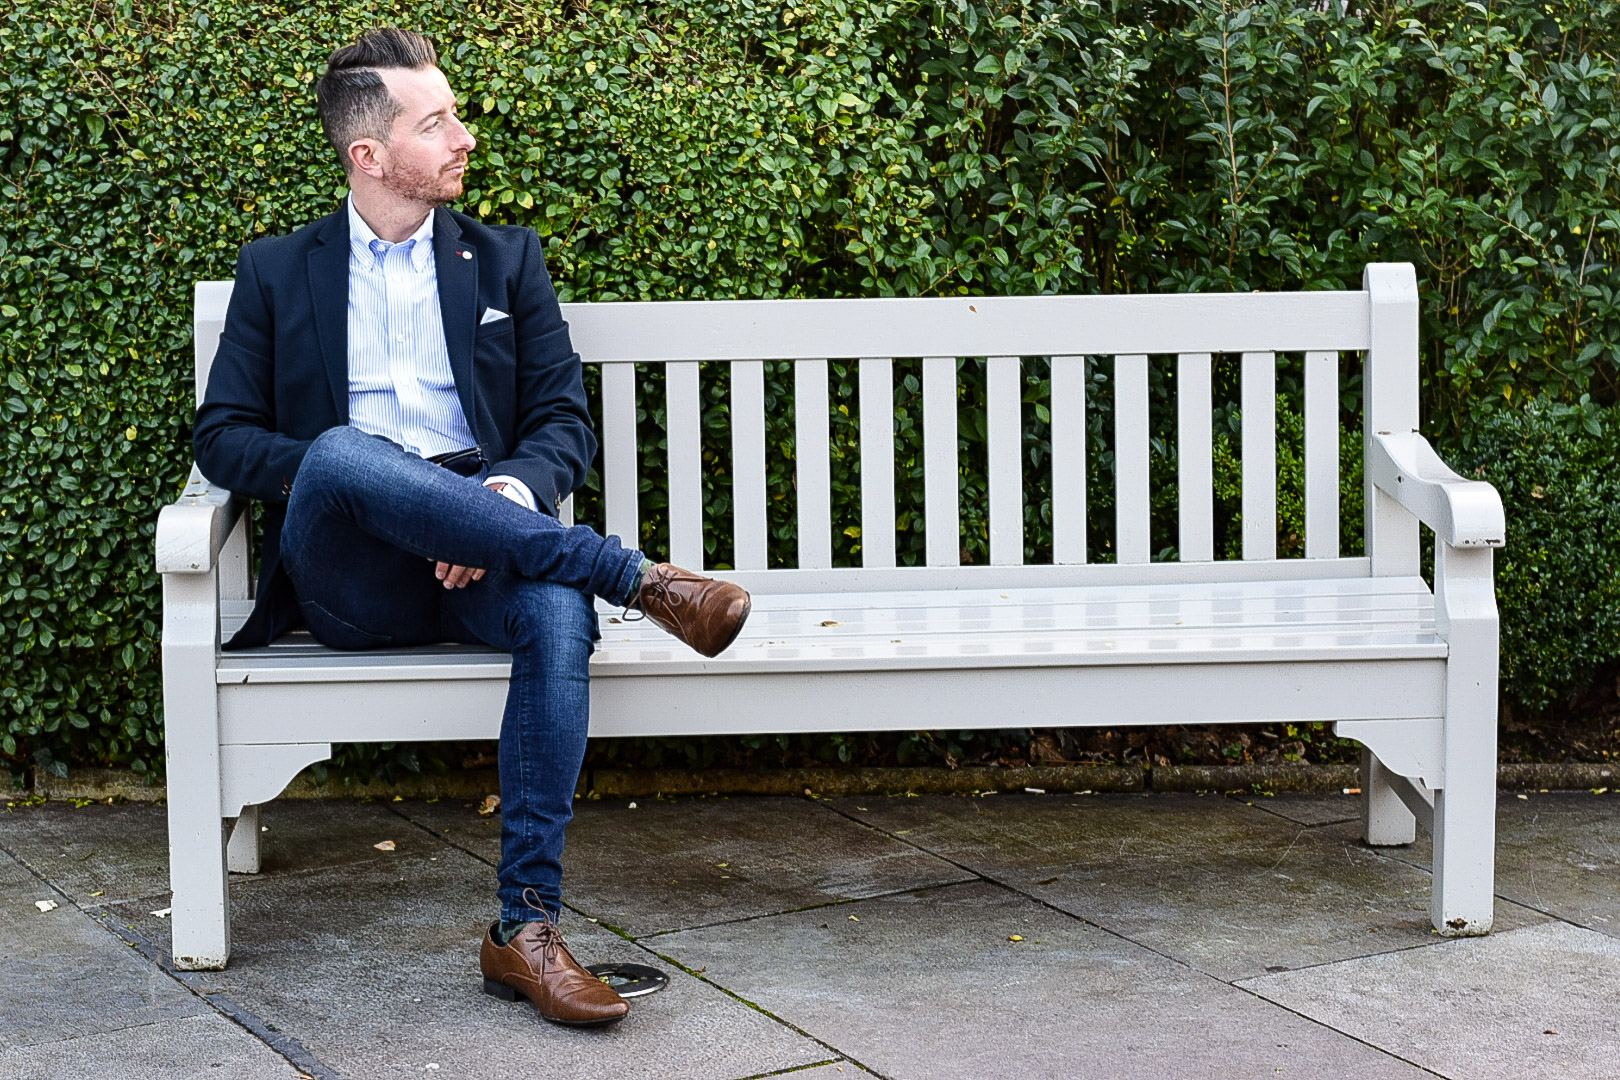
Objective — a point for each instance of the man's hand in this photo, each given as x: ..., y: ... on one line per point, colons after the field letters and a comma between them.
x: 458, y: 577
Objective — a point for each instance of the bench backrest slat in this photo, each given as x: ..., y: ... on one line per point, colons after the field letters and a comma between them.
x: 941, y: 509
x: 811, y: 462
x: 877, y: 461
x: 1068, y: 460
x: 1259, y: 396
x: 1321, y: 455
x: 1004, y: 389
x: 1132, y: 499
x: 684, y: 412
x: 1195, y: 469
x: 1119, y: 340
x: 748, y: 464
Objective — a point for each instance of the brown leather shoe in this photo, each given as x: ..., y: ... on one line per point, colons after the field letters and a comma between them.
x: 705, y: 613
x: 538, y: 966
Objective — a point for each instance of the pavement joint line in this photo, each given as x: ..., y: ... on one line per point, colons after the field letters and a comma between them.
x: 282, y: 1044
x: 698, y: 974
x: 794, y: 1069
x: 1141, y: 945
x: 288, y: 1047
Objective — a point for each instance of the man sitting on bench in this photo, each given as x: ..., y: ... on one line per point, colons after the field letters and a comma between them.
x: 396, y: 384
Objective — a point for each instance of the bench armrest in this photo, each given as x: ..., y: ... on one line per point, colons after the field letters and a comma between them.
x: 192, y: 530
x: 1462, y: 513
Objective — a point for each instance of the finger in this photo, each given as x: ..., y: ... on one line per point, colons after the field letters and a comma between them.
x: 478, y: 575
x: 441, y: 569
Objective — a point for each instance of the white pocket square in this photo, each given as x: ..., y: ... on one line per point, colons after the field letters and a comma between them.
x: 493, y: 315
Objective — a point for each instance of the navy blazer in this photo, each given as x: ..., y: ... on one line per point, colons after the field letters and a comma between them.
x: 281, y: 375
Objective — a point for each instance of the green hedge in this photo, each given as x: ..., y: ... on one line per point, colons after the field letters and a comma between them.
x: 730, y: 148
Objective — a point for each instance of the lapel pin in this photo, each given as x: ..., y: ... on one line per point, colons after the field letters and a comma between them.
x: 465, y: 254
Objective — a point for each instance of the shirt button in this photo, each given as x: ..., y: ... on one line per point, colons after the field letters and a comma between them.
x: 399, y: 338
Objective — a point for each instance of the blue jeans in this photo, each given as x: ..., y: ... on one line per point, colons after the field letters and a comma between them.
x: 366, y: 522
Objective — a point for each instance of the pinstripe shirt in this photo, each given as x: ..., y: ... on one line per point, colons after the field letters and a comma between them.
x: 400, y: 383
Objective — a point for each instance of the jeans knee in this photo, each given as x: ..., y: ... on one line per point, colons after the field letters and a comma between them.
x: 553, y: 617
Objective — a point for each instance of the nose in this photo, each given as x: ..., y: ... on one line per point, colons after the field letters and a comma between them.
x: 462, y: 139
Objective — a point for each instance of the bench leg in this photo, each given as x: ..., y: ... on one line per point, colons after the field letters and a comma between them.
x: 1385, y: 820
x: 1465, y: 805
x: 201, y: 918
x: 242, y: 854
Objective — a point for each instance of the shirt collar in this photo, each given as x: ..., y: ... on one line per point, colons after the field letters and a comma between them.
x: 361, y: 236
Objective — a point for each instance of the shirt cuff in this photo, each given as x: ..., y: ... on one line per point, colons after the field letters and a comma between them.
x: 515, y: 489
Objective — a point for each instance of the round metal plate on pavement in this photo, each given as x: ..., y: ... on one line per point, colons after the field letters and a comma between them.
x: 630, y: 980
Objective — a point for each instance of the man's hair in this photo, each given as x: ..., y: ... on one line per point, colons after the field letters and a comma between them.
x: 354, y: 101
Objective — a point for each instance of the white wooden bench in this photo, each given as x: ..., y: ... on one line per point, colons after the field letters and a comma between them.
x: 1362, y: 642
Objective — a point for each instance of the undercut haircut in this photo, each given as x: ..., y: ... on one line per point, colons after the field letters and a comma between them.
x: 354, y: 101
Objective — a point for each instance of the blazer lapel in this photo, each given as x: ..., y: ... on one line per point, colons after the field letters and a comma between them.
x: 329, y: 293
x: 456, y: 263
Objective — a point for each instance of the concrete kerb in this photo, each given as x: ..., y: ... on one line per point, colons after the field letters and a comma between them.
x: 101, y: 785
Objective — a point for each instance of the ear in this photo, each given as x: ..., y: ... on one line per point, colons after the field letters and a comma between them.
x: 365, y: 156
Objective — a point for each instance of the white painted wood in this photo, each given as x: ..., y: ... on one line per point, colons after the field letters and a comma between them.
x: 620, y: 469
x: 656, y: 331
x: 748, y: 463
x: 210, y: 299
x: 1462, y: 513
x: 1195, y: 470
x: 201, y: 925
x: 685, y: 413
x: 941, y: 491
x: 877, y: 462
x: 1069, y: 459
x: 1259, y: 394
x: 1361, y: 643
x: 1390, y: 405
x: 1131, y: 495
x: 1462, y: 902
x: 1414, y: 748
x: 1321, y: 455
x: 1385, y: 819
x: 812, y: 478
x: 565, y: 511
x: 1004, y: 393
x: 242, y: 849
x: 257, y: 773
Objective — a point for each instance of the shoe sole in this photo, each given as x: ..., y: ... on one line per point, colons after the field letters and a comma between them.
x: 512, y: 993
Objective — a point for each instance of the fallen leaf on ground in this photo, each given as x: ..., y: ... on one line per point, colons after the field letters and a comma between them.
x: 1015, y: 937
x: 632, y: 806
x: 384, y: 845
x: 162, y: 912
x: 46, y: 905
x: 492, y: 803
x: 853, y: 919
x: 831, y: 622
x: 99, y: 892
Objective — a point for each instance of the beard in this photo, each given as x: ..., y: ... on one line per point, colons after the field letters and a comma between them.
x: 432, y: 187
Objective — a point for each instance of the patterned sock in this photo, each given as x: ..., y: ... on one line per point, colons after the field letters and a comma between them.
x: 505, y: 932
x: 635, y: 586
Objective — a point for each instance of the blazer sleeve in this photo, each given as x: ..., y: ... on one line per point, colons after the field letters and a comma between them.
x: 235, y: 437
x: 553, y: 443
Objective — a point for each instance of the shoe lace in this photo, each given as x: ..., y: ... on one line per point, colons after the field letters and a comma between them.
x: 547, y: 936
x: 656, y: 590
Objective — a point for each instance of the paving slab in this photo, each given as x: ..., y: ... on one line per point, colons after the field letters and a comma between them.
x: 1230, y: 889
x: 670, y: 864
x: 373, y: 968
x: 205, y: 1046
x: 840, y: 1070
x: 928, y: 985
x: 65, y: 976
x: 1537, y: 1001
x: 122, y: 851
